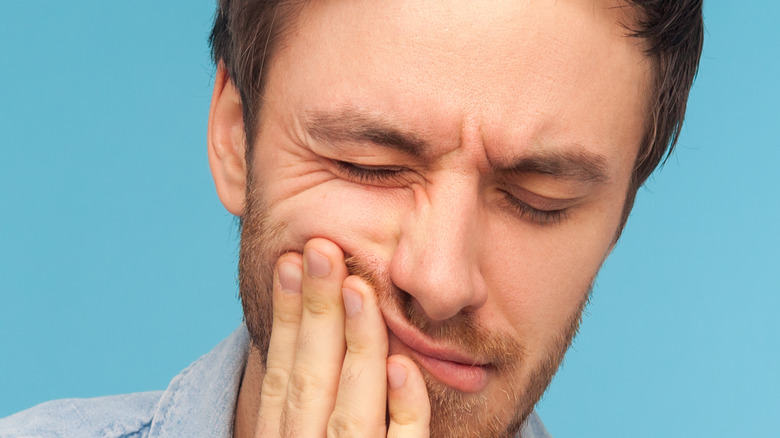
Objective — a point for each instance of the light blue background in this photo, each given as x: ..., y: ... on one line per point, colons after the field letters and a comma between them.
x: 117, y: 262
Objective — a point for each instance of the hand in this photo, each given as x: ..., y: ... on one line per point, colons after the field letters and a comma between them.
x: 327, y: 371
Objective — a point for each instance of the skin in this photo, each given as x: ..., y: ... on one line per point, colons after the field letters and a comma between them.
x: 482, y: 89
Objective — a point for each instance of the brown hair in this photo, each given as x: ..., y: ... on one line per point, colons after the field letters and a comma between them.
x: 244, y: 37
x: 246, y: 33
x: 674, y: 33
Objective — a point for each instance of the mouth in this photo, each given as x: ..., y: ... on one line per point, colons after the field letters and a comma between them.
x: 447, y: 364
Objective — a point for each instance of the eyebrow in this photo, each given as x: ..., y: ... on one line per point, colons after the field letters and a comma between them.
x: 573, y: 163
x: 360, y: 127
x: 349, y: 125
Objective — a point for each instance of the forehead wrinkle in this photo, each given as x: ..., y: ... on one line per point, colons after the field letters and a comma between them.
x: 350, y: 125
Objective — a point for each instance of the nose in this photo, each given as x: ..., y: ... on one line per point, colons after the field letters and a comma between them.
x: 437, y: 257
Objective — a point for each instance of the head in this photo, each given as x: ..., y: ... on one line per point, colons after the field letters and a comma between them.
x: 477, y: 164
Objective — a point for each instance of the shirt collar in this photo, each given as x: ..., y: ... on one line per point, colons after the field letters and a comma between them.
x: 201, y: 401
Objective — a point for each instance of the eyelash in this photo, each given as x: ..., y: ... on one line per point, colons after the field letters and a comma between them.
x: 541, y: 217
x: 368, y: 175
x: 373, y: 175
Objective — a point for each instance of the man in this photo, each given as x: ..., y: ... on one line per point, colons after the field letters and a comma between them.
x: 427, y: 191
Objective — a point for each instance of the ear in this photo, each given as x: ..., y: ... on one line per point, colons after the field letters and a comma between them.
x: 227, y: 143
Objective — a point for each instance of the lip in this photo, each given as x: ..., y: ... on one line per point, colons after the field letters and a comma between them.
x: 448, y: 365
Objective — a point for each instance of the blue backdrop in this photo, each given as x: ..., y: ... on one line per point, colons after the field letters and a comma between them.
x: 117, y: 262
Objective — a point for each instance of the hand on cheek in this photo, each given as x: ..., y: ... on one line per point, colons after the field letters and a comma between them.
x: 328, y: 371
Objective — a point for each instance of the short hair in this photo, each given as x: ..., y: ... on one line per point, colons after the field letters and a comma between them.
x: 247, y: 32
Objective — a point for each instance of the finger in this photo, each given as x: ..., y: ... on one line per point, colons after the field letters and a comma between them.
x: 407, y: 399
x: 362, y: 392
x: 311, y: 391
x: 281, y: 350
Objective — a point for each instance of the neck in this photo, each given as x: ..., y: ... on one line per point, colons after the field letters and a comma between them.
x: 248, y: 402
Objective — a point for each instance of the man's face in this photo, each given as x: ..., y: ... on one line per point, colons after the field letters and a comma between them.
x: 473, y: 160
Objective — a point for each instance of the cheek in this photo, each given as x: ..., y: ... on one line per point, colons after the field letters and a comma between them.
x: 340, y: 213
x: 357, y: 218
x: 543, y: 276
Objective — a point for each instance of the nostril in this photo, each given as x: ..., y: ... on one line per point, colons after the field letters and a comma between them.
x: 407, y: 304
x: 412, y: 310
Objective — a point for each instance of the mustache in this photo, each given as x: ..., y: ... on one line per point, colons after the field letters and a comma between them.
x: 463, y: 330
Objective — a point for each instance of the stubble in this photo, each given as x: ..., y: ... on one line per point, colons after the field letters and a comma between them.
x: 453, y: 413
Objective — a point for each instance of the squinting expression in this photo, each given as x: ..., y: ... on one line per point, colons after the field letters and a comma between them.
x: 475, y: 156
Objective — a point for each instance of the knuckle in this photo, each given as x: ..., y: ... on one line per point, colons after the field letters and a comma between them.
x: 356, y: 347
x: 342, y: 425
x: 404, y: 417
x: 317, y: 305
x: 275, y: 382
x: 287, y: 319
x: 303, y: 387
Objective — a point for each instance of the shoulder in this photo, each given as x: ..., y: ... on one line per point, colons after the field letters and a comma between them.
x: 116, y: 416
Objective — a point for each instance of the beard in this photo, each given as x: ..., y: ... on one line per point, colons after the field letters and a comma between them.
x: 453, y: 413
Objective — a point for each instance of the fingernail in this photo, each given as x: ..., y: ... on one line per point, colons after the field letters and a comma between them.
x: 290, y: 277
x: 353, y: 302
x: 317, y: 265
x: 396, y: 376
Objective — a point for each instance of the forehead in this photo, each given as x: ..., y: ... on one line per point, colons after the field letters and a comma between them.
x: 525, y: 74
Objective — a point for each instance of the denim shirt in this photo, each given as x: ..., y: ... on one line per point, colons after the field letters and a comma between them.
x: 199, y: 402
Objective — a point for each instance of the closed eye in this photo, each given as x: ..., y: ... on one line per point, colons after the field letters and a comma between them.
x: 391, y: 175
x: 535, y: 215
x: 370, y: 174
